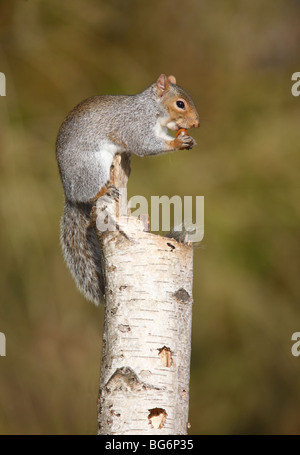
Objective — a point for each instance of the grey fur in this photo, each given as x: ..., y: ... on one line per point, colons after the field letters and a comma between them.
x: 91, y: 134
x: 81, y: 250
x: 98, y: 123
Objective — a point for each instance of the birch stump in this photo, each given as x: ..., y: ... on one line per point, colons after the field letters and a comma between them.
x: 145, y: 370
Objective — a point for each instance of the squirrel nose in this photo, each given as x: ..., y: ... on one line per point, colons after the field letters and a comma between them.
x: 196, y: 124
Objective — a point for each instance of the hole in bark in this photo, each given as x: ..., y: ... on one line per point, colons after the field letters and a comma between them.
x: 171, y: 246
x: 165, y: 355
x: 182, y: 295
x: 124, y: 328
x: 157, y: 418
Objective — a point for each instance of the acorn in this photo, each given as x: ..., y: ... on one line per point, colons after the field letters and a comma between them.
x: 182, y: 130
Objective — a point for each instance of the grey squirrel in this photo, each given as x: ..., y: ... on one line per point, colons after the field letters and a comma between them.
x: 92, y: 133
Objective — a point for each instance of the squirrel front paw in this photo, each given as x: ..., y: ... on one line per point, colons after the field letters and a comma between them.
x: 183, y: 141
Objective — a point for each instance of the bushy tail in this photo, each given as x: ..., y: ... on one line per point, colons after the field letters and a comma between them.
x: 81, y: 250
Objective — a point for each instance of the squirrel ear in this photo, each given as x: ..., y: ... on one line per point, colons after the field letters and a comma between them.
x: 162, y: 84
x: 172, y: 79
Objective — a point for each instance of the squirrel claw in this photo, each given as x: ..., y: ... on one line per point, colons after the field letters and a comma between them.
x: 186, y: 142
x: 113, y: 191
x: 192, y: 144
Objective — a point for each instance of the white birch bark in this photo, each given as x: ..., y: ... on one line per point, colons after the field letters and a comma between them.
x: 145, y: 370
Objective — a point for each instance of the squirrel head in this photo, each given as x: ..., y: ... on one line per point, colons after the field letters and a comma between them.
x: 177, y: 102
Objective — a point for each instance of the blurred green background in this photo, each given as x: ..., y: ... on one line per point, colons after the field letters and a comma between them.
x: 236, y: 59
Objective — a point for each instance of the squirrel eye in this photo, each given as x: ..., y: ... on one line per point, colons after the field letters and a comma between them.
x: 180, y: 104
